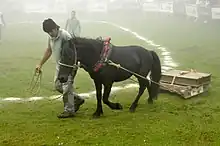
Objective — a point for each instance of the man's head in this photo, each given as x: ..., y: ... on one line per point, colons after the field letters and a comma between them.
x: 50, y: 27
x: 73, y: 14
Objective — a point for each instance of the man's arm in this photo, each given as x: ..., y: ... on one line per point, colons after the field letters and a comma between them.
x: 47, y: 55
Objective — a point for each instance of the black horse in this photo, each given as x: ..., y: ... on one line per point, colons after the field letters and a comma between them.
x: 93, y: 59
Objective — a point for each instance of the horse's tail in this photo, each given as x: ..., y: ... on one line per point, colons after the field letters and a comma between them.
x: 155, y: 75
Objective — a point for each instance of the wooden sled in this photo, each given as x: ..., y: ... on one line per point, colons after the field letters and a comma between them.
x: 185, y: 83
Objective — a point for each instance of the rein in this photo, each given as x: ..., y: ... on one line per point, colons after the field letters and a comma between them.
x: 76, y: 64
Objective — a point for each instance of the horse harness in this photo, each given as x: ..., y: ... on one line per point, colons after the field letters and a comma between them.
x: 106, y: 52
x: 104, y: 56
x: 75, y: 65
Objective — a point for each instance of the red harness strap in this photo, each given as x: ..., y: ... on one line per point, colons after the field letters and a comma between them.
x: 104, y: 55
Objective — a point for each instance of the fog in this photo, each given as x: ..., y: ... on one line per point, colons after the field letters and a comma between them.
x: 37, y: 10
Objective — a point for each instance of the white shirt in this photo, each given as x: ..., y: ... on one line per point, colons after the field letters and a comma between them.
x: 55, y: 43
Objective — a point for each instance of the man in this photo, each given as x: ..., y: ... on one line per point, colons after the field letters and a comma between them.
x: 56, y: 35
x: 2, y: 24
x: 73, y: 25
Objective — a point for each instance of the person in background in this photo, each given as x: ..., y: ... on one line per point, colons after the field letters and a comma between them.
x: 73, y: 25
x: 2, y: 24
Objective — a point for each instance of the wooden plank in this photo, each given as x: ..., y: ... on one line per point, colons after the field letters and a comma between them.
x: 186, y: 74
x: 185, y: 91
x: 186, y: 78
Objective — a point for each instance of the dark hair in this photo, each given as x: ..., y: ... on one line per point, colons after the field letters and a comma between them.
x: 49, y: 25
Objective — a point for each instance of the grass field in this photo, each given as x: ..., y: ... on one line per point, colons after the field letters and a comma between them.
x: 170, y: 121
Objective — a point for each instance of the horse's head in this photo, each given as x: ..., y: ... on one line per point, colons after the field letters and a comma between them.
x: 67, y: 61
x: 84, y: 50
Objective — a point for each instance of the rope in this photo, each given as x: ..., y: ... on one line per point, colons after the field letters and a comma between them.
x: 34, y: 82
x: 70, y: 66
x: 119, y: 66
x: 171, y: 87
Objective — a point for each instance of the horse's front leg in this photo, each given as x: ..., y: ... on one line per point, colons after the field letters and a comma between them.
x: 107, y: 90
x: 99, y: 110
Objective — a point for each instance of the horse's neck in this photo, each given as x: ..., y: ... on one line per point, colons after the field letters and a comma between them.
x: 88, y: 53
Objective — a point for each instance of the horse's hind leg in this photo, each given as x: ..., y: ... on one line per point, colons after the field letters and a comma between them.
x: 150, y: 98
x: 107, y: 90
x: 143, y: 85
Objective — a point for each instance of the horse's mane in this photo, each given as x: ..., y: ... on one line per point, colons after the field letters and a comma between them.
x: 88, y: 40
x: 95, y: 43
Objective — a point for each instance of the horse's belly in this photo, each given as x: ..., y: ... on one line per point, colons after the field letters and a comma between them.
x: 114, y: 74
x: 120, y: 79
x: 121, y: 76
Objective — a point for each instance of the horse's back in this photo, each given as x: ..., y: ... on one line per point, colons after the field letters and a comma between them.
x: 132, y: 58
x: 131, y: 53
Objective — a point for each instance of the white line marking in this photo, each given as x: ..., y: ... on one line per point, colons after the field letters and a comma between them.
x: 165, y: 53
x: 84, y: 95
x: 11, y: 99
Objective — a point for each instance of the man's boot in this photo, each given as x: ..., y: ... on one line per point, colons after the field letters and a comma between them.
x: 65, y: 114
x: 78, y: 102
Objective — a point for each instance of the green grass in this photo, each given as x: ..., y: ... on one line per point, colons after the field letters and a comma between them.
x: 170, y: 121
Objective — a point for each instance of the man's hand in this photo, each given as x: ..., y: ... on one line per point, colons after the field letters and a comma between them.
x: 38, y: 68
x: 47, y: 55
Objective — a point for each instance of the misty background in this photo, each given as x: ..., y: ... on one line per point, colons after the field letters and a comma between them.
x: 37, y: 10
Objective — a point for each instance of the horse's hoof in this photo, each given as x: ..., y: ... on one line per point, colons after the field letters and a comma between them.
x: 132, y: 110
x: 97, y: 115
x: 150, y: 101
x: 119, y: 106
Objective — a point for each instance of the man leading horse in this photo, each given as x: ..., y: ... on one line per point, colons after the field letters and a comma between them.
x: 71, y: 100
